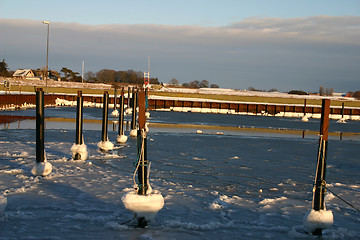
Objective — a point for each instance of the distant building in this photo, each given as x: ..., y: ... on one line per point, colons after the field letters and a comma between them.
x: 24, y: 73
x: 35, y: 74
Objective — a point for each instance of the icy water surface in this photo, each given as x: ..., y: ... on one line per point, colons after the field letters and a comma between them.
x: 229, y: 186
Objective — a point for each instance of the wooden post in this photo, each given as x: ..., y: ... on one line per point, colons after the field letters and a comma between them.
x: 79, y: 122
x: 142, y: 147
x: 121, y: 114
x: 115, y: 98
x: 128, y: 99
x: 40, y: 126
x: 320, y: 183
x: 134, y: 105
x: 104, y: 130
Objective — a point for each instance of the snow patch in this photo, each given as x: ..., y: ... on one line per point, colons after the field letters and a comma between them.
x: 202, y: 227
x: 267, y: 201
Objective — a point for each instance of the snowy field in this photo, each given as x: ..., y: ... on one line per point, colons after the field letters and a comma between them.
x: 219, y: 91
x: 229, y: 186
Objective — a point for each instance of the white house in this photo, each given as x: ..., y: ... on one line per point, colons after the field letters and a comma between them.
x: 24, y: 73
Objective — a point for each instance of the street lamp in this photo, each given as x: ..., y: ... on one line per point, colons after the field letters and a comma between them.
x: 47, y: 53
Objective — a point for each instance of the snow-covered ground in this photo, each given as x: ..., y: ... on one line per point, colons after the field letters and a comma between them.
x: 220, y: 91
x: 228, y: 186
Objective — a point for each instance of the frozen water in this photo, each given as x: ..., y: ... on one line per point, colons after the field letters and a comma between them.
x: 210, y: 183
x: 3, y: 203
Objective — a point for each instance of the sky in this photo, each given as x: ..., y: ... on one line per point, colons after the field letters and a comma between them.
x: 281, y: 44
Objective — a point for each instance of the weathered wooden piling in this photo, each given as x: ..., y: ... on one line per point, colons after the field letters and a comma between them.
x: 115, y: 98
x: 121, y: 114
x: 128, y: 97
x: 142, y: 147
x: 40, y: 126
x: 121, y: 138
x: 320, y: 182
x: 143, y: 201
x: 133, y: 131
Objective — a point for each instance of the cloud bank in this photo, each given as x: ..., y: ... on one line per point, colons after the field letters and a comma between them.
x: 298, y: 53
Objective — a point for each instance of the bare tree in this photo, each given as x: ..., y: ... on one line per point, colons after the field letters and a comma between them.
x: 204, y: 84
x: 174, y: 81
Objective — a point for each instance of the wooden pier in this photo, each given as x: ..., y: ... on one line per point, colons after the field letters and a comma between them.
x: 19, y: 100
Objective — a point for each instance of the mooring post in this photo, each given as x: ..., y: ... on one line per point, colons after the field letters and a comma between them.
x: 142, y: 147
x: 104, y: 130
x: 79, y: 123
x: 342, y: 110
x: 128, y: 98
x: 79, y: 118
x: 143, y: 201
x: 115, y: 98
x: 42, y: 166
x: 320, y: 183
x: 304, y: 110
x: 121, y: 115
x: 40, y: 127
x: 134, y: 105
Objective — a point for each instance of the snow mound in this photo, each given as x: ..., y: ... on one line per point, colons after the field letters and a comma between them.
x: 318, y: 219
x: 128, y: 111
x: 42, y: 169
x: 341, y: 120
x: 133, y: 133
x: 115, y: 113
x: 3, y: 203
x: 121, y: 138
x: 106, y: 145
x: 143, y: 205
x: 305, y: 118
x: 79, y: 149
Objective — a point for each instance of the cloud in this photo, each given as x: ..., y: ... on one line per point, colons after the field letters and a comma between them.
x: 265, y: 53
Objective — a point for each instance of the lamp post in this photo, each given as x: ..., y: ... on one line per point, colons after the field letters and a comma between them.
x: 47, y: 53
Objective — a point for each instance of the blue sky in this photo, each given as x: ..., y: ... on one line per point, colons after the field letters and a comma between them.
x: 282, y: 44
x: 172, y: 12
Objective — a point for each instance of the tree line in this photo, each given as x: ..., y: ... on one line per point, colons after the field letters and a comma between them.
x: 112, y: 76
x: 193, y: 84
